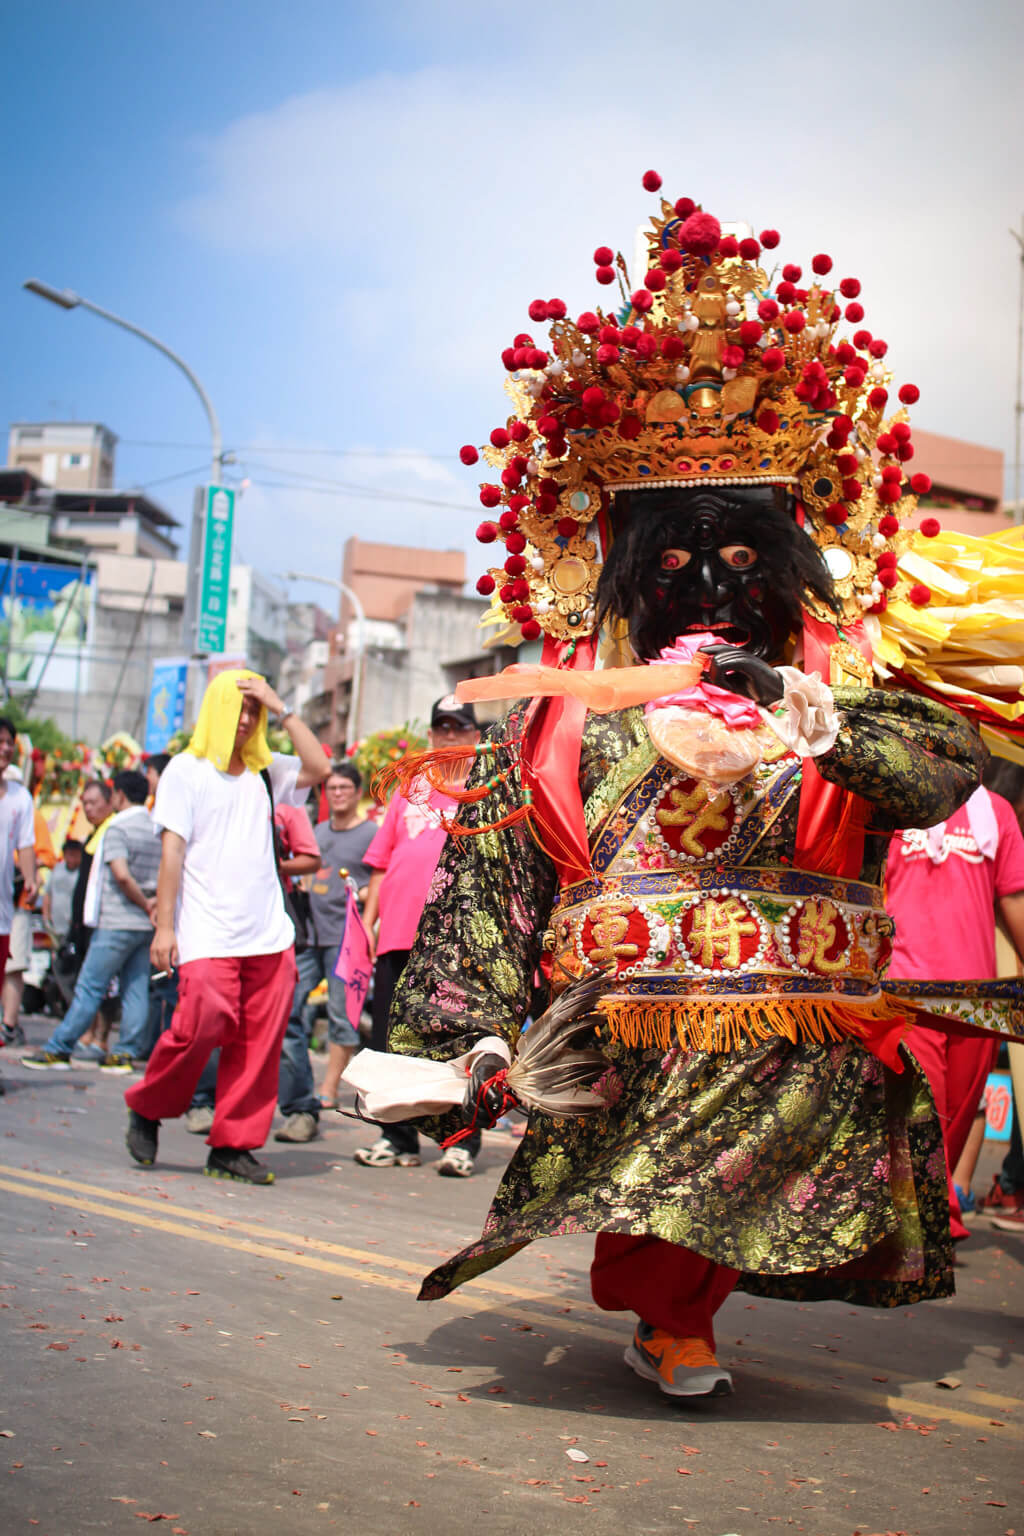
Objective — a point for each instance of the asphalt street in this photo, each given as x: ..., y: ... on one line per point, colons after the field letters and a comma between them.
x: 266, y: 1367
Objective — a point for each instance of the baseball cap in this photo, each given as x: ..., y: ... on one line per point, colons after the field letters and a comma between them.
x: 449, y: 708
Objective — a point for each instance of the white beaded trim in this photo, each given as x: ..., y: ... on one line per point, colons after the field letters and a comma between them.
x: 701, y: 479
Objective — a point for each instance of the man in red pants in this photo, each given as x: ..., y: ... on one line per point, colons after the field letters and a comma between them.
x: 221, y: 918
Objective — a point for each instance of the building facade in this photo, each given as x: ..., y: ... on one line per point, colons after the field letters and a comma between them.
x: 70, y: 455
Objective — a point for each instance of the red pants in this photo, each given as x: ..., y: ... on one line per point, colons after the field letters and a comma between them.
x: 242, y: 1005
x: 956, y: 1070
x: 667, y: 1286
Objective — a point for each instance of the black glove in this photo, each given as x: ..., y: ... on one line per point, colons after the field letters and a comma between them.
x: 741, y: 672
x: 483, y: 1107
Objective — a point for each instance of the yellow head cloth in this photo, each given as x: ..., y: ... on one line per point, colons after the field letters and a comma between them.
x: 214, y: 735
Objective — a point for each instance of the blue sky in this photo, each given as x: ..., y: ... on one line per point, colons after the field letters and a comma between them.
x: 339, y: 213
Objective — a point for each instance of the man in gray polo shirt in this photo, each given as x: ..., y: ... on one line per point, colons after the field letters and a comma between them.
x: 118, y: 904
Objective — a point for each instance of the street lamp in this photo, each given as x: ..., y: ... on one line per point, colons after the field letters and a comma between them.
x: 64, y: 298
x: 357, y: 669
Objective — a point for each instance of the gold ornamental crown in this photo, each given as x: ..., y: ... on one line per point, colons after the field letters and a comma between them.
x: 715, y: 371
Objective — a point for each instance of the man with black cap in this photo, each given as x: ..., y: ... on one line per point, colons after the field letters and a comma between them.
x: 403, y: 857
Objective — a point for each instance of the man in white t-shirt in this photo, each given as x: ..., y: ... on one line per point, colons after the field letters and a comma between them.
x: 221, y: 920
x: 17, y: 836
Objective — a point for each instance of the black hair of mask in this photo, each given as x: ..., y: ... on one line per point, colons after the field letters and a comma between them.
x: 728, y: 559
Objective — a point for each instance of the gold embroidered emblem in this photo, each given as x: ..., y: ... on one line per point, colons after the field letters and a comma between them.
x: 820, y: 932
x: 693, y: 814
x: 717, y: 931
x: 612, y: 936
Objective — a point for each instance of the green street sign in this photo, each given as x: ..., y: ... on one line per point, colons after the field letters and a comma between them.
x: 215, y: 583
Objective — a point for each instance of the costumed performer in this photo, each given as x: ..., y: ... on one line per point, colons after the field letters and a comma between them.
x: 705, y: 827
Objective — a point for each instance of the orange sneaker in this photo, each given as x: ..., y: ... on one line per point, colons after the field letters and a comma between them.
x: 681, y: 1367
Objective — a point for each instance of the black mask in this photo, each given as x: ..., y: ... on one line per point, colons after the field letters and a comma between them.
x: 730, y: 560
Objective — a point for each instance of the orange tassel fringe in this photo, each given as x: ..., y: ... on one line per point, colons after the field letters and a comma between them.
x: 726, y: 1024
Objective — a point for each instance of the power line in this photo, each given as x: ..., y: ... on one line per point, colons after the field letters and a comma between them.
x: 340, y: 488
x: 351, y: 453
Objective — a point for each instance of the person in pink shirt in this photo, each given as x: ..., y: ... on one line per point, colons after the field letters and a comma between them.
x: 943, y: 884
x: 403, y: 857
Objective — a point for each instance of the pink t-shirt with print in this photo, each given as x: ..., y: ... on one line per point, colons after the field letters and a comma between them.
x: 407, y: 848
x: 944, y: 911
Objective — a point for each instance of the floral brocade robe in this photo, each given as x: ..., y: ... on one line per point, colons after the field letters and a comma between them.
x: 808, y: 1166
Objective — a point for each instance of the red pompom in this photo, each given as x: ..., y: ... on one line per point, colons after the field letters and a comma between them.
x: 605, y: 274
x: 888, y: 525
x: 845, y: 353
x: 516, y: 504
x: 588, y: 322
x: 607, y: 353
x: 854, y: 377
x: 670, y: 260
x: 751, y: 332
x: 519, y: 431
x: 684, y: 206
x: 836, y: 513
x: 567, y: 527
x: 768, y: 421
x: 538, y: 309
x: 642, y: 300
x: 538, y: 358
x: 886, y: 443
x: 854, y: 313
x: 630, y: 427
x: 515, y: 565
x: 655, y: 280
x: 878, y: 348
x: 608, y: 414
x: 862, y: 340
x: 770, y: 239
x: 772, y: 359
x: 500, y: 438
x: 843, y: 425
x: 508, y: 357
x: 888, y: 577
x: 847, y: 463
x: 920, y: 595
x: 652, y: 181
x: 522, y: 340
x: 768, y: 310
x: 672, y: 347
x: 509, y: 519
x: 515, y: 543
x: 521, y: 612
x: 878, y: 398
x: 794, y: 320
x: 629, y: 335
x: 521, y: 357
x: 750, y: 249
x: 852, y: 490
x: 520, y: 589
x: 468, y: 455
x: 593, y: 396
x: 733, y: 357
x: 506, y: 593
x: 821, y: 264
x: 892, y: 472
x: 920, y: 485
x: 556, y: 309
x: 880, y: 606
x: 889, y: 492
x: 530, y: 630
x: 729, y: 246
x: 792, y: 273
x: 910, y: 394
x: 849, y: 287
x: 901, y: 431
x: 485, y: 585
x: 886, y: 560
x: 786, y: 293
x: 487, y: 533
x: 700, y: 234
x: 511, y: 477
x: 930, y: 526
x: 905, y: 452
x: 604, y: 256
x: 610, y: 334
x: 490, y: 495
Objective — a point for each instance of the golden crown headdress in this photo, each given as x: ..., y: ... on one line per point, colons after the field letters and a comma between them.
x: 714, y: 371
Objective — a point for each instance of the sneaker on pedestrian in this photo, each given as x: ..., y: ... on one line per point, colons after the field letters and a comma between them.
x: 1009, y: 1221
x: 383, y: 1155
x: 141, y: 1138
x: 456, y: 1163
x: 998, y: 1202
x: 965, y: 1200
x: 300, y: 1127
x: 39, y: 1061
x: 199, y: 1119
x: 233, y: 1163
x: 116, y: 1062
x: 92, y: 1053
x: 680, y: 1367
x: 14, y: 1035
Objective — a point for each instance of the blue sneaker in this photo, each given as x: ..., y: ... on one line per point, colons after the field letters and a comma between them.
x: 965, y: 1200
